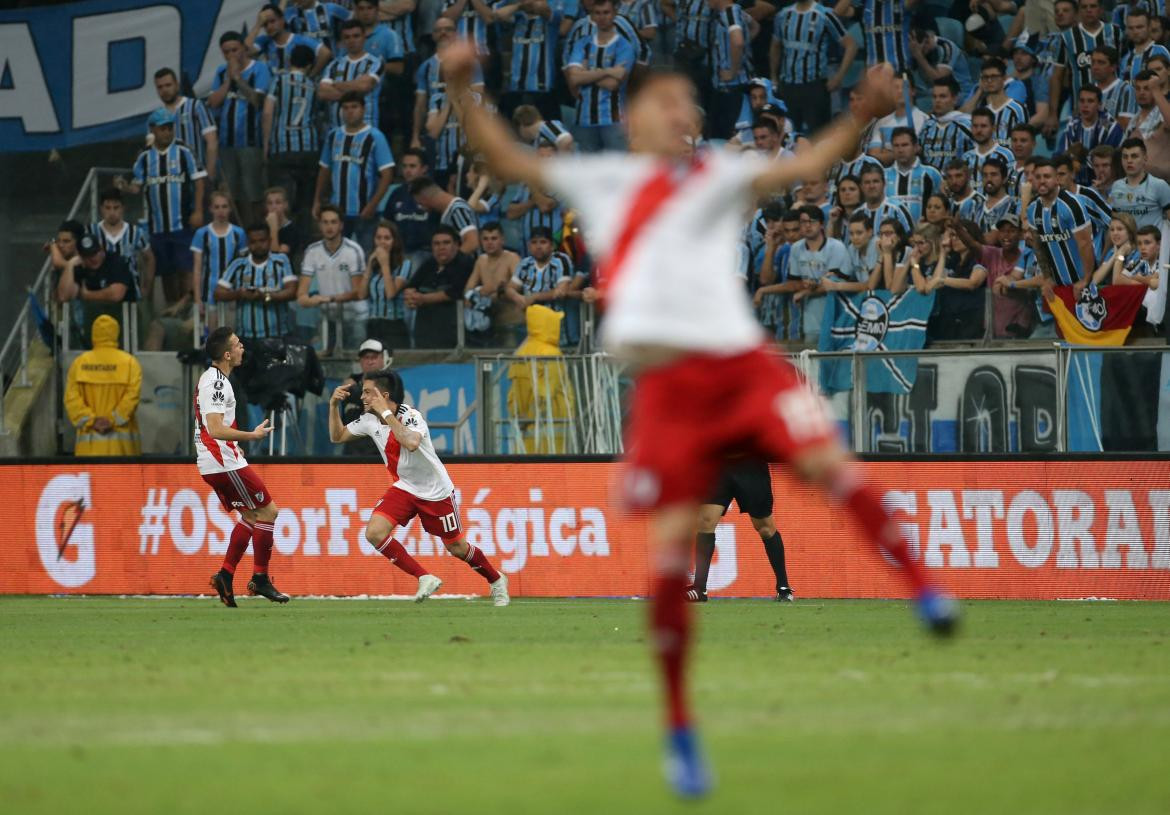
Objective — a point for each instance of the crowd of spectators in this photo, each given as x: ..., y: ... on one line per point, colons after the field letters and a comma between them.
x: 326, y: 188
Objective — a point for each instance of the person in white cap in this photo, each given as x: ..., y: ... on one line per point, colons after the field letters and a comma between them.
x: 372, y: 356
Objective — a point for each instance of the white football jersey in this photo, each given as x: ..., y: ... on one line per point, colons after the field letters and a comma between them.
x: 667, y: 236
x: 418, y: 472
x: 333, y: 272
x: 215, y: 395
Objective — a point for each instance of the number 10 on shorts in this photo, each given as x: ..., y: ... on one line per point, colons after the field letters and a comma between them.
x: 450, y: 522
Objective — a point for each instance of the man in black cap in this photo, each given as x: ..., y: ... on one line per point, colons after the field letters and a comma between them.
x: 99, y: 280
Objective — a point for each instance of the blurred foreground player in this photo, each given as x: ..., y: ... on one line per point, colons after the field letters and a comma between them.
x: 420, y: 484
x: 222, y: 464
x: 748, y: 482
x: 666, y: 229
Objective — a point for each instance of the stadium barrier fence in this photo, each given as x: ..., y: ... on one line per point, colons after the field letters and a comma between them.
x: 1031, y: 529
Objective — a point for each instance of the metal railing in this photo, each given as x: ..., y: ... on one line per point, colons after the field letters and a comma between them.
x: 549, y: 405
x: 14, y: 354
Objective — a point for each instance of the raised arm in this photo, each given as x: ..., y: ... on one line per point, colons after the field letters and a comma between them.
x: 338, y: 432
x: 838, y: 140
x: 506, y: 158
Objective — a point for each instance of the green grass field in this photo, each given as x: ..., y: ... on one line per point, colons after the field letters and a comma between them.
x: 178, y: 706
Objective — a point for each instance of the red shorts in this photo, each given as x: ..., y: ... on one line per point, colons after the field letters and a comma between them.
x: 437, y: 517
x: 239, y: 490
x: 690, y: 415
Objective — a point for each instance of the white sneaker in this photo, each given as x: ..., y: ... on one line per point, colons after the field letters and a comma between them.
x: 500, y: 592
x: 428, y: 584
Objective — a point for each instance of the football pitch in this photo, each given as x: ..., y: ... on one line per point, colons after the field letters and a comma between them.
x: 550, y: 706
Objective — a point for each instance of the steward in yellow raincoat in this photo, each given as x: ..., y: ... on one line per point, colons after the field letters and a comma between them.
x: 541, y: 391
x: 101, y: 395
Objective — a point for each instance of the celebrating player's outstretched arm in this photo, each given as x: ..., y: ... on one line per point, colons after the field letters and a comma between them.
x: 876, y: 98
x: 486, y: 132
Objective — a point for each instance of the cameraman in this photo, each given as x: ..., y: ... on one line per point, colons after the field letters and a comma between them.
x: 372, y: 356
x: 101, y: 282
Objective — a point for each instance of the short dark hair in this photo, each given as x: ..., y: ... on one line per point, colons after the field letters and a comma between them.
x: 75, y: 228
x: 765, y: 122
x: 904, y: 131
x: 1159, y: 58
x: 792, y: 216
x: 161, y: 72
x: 1108, y: 52
x: 301, y: 56
x: 350, y: 24
x: 870, y: 169
x: 814, y: 213
x: 353, y: 96
x: 1129, y: 144
x: 774, y: 211
x: 957, y: 164
x: 994, y: 63
x: 1063, y: 160
x: 540, y: 232
x: 997, y: 163
x: 387, y: 381
x: 948, y: 82
x: 1043, y: 161
x: 450, y: 231
x: 1144, y: 75
x: 418, y: 153
x: 1153, y: 231
x: 336, y: 210
x: 860, y: 217
x: 256, y: 226
x: 218, y: 342
x: 651, y: 76
x: 984, y: 113
x: 274, y: 8
x: 1026, y: 128
x: 110, y: 194
x: 491, y: 226
x: 1138, y: 10
x: 422, y: 184
x: 231, y: 36
x: 1092, y: 89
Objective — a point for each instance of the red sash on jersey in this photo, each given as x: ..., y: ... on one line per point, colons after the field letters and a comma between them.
x: 648, y: 202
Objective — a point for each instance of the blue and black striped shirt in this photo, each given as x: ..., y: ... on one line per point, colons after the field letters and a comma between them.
x: 292, y: 117
x: 216, y: 253
x: 355, y: 161
x: 726, y: 21
x: 167, y: 178
x: 598, y: 106
x: 804, y: 38
x: 322, y: 21
x: 887, y: 33
x: 1056, y: 226
x: 239, y: 119
x: 381, y: 306
x: 347, y: 69
x: 193, y: 121
x: 534, y: 50
x: 127, y: 244
x: 256, y: 318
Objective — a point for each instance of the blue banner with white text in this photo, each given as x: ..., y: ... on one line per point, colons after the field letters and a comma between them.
x: 874, y: 321
x: 83, y: 72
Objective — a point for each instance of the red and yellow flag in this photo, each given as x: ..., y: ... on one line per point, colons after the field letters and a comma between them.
x: 1100, y: 316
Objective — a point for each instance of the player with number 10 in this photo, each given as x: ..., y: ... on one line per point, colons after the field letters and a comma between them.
x: 419, y: 482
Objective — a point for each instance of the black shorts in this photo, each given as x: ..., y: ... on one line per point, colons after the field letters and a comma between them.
x: 749, y: 483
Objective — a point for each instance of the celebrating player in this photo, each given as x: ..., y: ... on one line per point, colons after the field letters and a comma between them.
x: 420, y: 484
x: 222, y: 464
x: 666, y: 229
x: 749, y: 483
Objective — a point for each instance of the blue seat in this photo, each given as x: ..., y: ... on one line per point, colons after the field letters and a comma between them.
x: 952, y: 30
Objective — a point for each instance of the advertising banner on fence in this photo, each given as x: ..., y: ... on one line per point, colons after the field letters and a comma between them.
x: 986, y: 529
x: 76, y: 73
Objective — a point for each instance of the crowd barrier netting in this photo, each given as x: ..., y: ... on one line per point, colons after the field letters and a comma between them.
x: 1015, y: 529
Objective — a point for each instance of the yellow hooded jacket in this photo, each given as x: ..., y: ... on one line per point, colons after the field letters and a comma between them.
x: 541, y: 391
x: 105, y: 383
